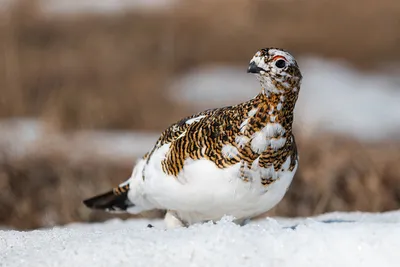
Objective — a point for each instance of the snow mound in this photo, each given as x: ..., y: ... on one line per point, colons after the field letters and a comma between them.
x: 336, y: 239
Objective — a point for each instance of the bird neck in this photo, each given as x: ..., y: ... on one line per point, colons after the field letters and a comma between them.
x: 279, y: 106
x: 282, y: 101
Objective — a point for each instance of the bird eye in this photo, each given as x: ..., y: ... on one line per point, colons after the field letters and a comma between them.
x: 280, y: 63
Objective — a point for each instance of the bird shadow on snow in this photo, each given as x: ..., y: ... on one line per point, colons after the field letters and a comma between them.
x: 293, y: 227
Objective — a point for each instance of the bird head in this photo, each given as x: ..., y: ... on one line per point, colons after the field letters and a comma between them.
x: 277, y: 70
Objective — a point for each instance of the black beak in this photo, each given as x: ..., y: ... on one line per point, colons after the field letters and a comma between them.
x: 253, y: 68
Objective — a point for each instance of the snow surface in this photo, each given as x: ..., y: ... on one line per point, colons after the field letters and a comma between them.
x: 104, y: 6
x: 334, y: 97
x: 24, y: 137
x: 335, y: 239
x: 68, y: 7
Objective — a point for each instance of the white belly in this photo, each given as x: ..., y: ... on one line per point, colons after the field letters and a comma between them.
x: 202, y: 191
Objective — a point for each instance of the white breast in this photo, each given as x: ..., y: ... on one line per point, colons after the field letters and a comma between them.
x: 202, y: 191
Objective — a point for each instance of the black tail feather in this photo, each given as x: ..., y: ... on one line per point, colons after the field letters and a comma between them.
x: 114, y: 200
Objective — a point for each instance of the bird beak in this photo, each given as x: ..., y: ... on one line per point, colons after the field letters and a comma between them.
x: 253, y: 68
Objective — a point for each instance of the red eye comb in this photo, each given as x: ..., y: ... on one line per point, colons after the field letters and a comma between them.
x: 279, y: 57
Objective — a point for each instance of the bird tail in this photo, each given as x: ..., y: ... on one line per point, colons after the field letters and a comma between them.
x: 115, y: 200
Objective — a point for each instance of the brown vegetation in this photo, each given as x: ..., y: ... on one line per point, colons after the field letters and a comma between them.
x: 341, y: 174
x: 335, y: 174
x: 97, y: 71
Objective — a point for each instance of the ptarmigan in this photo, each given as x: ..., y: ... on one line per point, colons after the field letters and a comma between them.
x: 237, y: 161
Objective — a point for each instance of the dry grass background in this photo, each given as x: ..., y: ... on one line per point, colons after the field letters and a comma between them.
x: 335, y: 174
x: 112, y: 71
x: 72, y: 70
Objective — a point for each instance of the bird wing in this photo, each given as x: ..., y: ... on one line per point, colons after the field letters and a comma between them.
x: 202, y: 136
x: 178, y: 129
x: 182, y: 127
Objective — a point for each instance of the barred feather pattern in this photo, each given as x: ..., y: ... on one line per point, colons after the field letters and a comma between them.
x: 205, y: 137
x: 247, y: 151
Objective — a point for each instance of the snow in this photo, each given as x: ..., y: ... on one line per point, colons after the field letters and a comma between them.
x: 335, y: 239
x: 68, y: 7
x: 25, y: 137
x: 104, y: 6
x: 334, y: 97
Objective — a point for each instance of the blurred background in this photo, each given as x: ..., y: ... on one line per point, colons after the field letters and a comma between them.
x: 87, y: 86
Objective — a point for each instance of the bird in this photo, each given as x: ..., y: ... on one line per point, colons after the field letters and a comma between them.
x: 236, y: 160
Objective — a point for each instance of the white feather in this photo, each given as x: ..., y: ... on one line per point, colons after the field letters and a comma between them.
x: 277, y: 143
x: 229, y: 151
x: 208, y: 192
x: 196, y: 119
x: 243, y: 125
x: 242, y: 140
x: 252, y: 112
x: 273, y: 130
x: 259, y: 142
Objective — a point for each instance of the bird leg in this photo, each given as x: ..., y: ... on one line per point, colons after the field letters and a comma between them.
x: 172, y: 221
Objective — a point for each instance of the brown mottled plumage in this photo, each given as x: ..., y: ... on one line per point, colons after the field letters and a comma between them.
x: 221, y: 126
x: 230, y: 147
